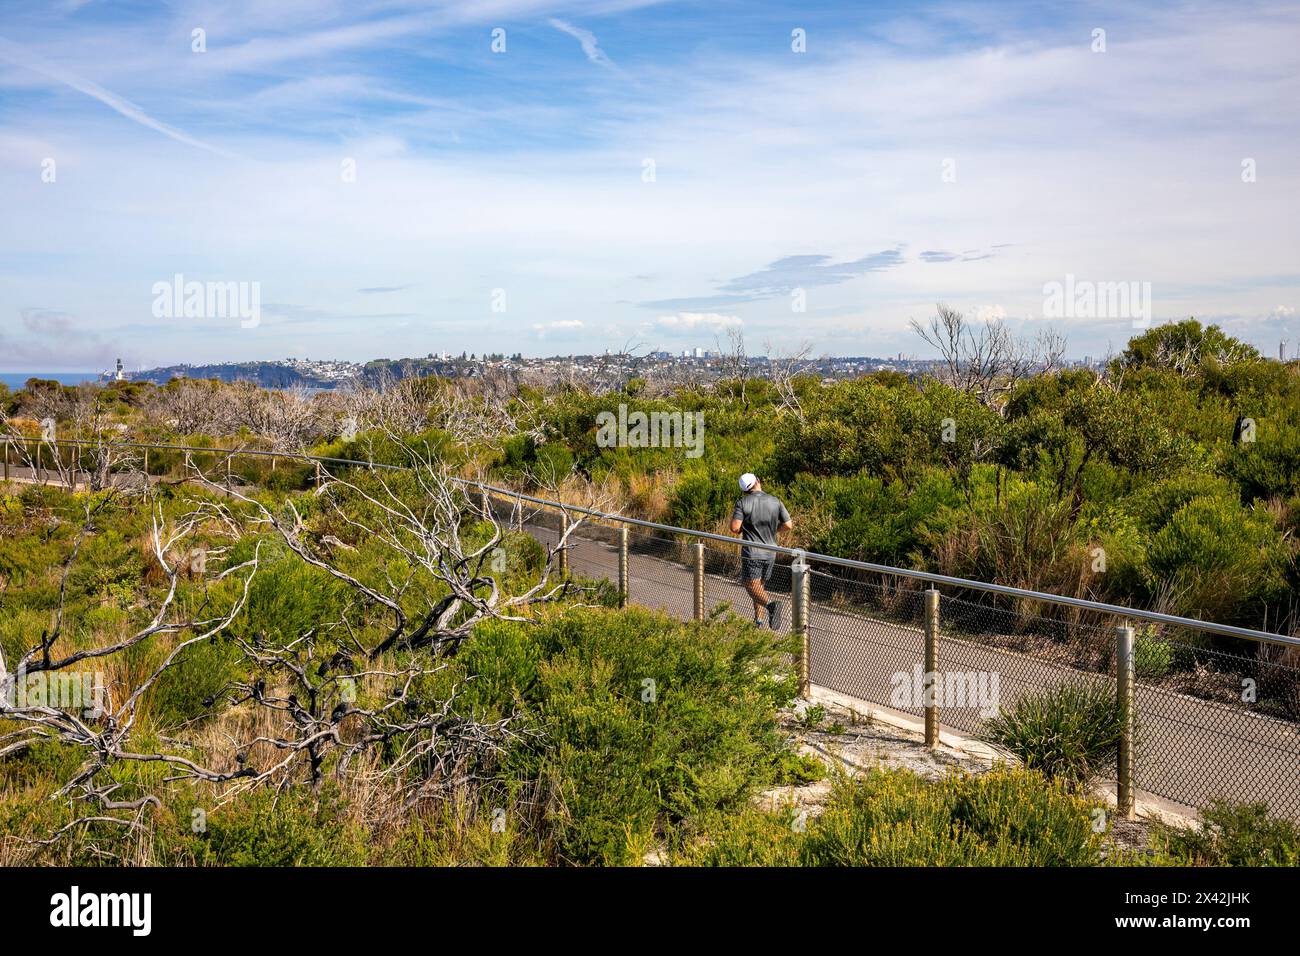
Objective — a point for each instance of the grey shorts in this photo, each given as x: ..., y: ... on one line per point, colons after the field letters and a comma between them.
x: 757, y: 568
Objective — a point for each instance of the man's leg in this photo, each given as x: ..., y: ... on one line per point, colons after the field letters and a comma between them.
x: 773, y: 606
x: 753, y: 583
x: 757, y: 594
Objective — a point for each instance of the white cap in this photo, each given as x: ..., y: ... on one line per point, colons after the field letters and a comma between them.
x: 747, y: 481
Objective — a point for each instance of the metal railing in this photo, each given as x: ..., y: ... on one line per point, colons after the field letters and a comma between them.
x: 1190, y: 730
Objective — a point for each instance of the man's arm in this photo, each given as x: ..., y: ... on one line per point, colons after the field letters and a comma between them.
x: 786, y: 522
x: 737, y: 518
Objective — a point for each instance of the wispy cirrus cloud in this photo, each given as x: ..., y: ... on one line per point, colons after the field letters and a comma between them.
x: 686, y: 323
x: 784, y: 276
x: 587, y: 39
x: 943, y: 255
x: 15, y: 54
x: 792, y: 272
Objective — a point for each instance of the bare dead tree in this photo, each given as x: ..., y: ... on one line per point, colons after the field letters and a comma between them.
x: 987, y: 361
x: 735, y: 362
x: 194, y: 407
x: 100, y: 458
x: 317, y: 703
x: 482, y: 412
x: 105, y: 731
x: 602, y: 374
x: 393, y: 404
x: 783, y: 368
x: 287, y: 418
x: 327, y: 708
x: 423, y: 524
x: 76, y: 444
x: 1185, y: 357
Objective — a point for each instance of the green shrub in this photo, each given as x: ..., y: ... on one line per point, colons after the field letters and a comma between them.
x: 266, y: 828
x: 288, y: 598
x: 700, y: 498
x: 1152, y: 657
x: 188, y: 688
x: 1006, y: 817
x: 1218, y: 557
x: 1231, y: 834
x: 453, y: 833
x: 868, y: 519
x: 1069, y: 733
x: 645, y: 724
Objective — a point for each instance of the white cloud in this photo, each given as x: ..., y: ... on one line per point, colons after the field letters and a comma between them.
x: 15, y: 54
x: 559, y: 325
x: 590, y: 45
x: 682, y: 322
x: 990, y: 313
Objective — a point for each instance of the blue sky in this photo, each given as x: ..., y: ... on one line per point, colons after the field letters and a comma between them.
x: 913, y: 153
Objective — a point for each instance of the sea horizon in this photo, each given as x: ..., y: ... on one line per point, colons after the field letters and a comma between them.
x: 19, y: 379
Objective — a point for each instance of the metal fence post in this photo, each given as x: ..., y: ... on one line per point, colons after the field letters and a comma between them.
x: 799, y: 580
x: 563, y: 553
x: 623, y: 593
x: 699, y: 580
x: 229, y: 462
x: 930, y: 693
x: 1124, y: 675
x: 146, y: 466
x: 6, y: 459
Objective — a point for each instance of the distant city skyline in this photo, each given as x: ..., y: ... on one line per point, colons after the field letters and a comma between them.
x: 387, y: 178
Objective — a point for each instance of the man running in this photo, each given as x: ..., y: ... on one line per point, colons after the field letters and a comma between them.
x: 759, y: 517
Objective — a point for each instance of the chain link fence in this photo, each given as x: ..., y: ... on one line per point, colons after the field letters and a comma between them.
x: 1214, y: 717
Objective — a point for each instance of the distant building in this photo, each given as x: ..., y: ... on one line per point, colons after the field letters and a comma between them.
x: 113, y: 375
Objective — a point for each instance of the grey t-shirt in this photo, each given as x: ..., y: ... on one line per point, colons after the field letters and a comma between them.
x: 760, y: 515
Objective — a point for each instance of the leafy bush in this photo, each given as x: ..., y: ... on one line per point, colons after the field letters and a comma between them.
x: 867, y: 519
x: 1069, y: 733
x: 1152, y: 657
x: 1218, y: 557
x: 885, y: 427
x: 265, y: 828
x: 1006, y: 817
x: 1231, y: 834
x: 700, y: 498
x: 1014, y: 532
x: 646, y: 723
x: 187, y: 689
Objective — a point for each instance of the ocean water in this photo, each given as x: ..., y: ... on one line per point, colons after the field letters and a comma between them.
x: 16, y: 380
